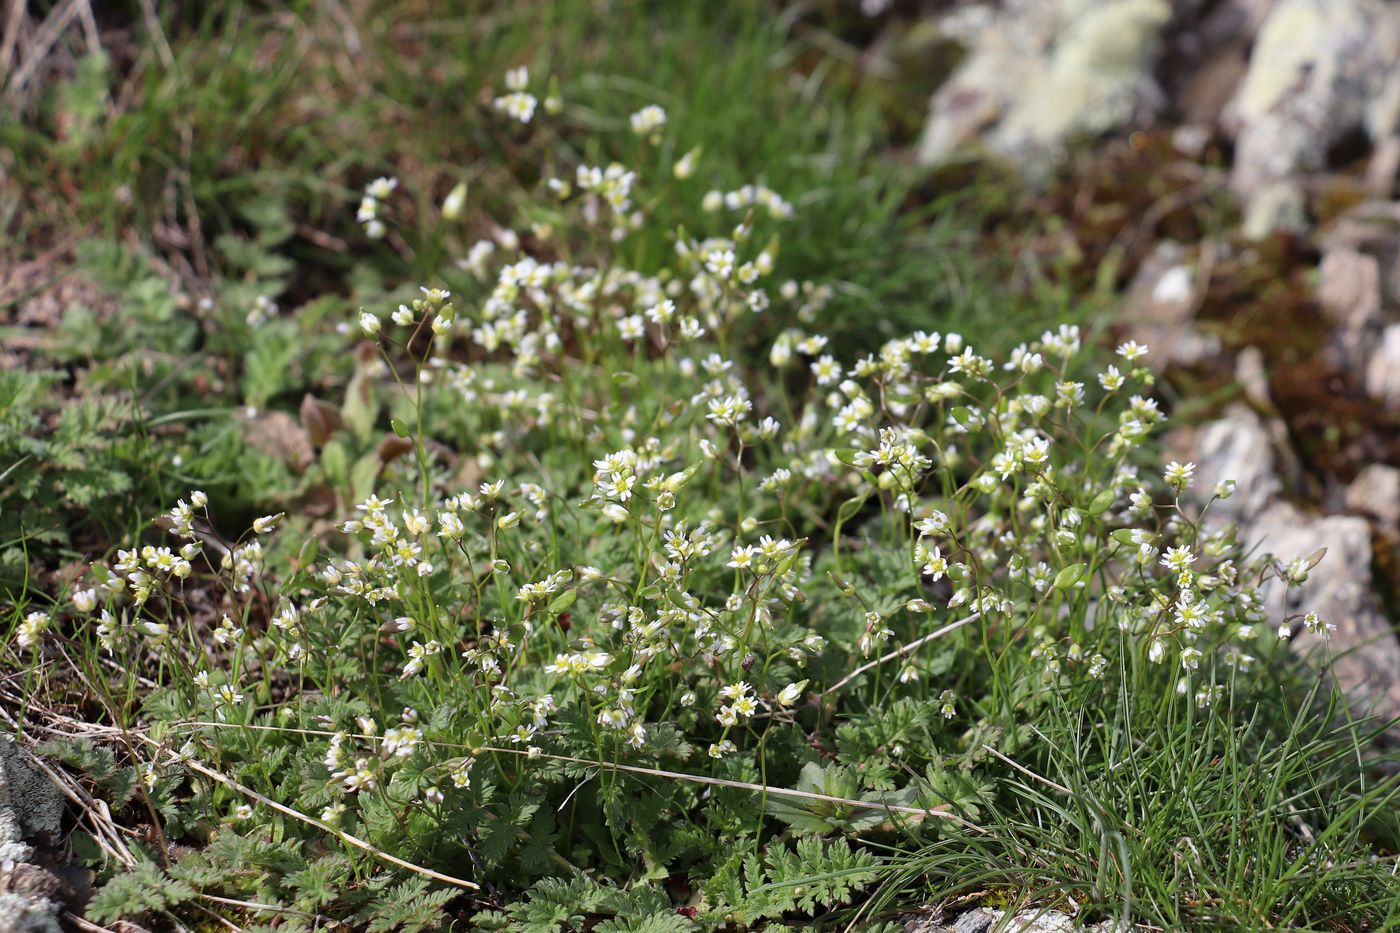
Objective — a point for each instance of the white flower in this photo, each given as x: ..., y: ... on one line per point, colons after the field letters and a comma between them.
x: 789, y: 694
x: 266, y: 523
x: 1132, y: 350
x: 662, y: 313
x: 381, y: 188
x: 1178, y: 475
x: 1314, y: 624
x: 685, y: 165
x: 454, y: 202
x: 648, y: 120
x: 1179, y: 558
x: 935, y: 565
x: 369, y: 323
x: 518, y: 106
x: 450, y: 526
x: 720, y: 263
x: 1111, y: 379
x: 781, y: 353
x: 631, y: 327
x: 827, y: 370
x: 32, y: 629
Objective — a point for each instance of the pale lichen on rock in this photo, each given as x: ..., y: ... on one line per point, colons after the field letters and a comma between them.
x: 1039, y: 73
x: 1321, y: 69
x: 30, y: 808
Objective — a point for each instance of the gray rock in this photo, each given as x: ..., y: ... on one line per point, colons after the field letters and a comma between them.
x: 1275, y: 206
x: 1373, y: 229
x: 1349, y: 287
x: 1383, y: 168
x: 1040, y: 72
x: 1028, y: 920
x: 1035, y: 921
x: 979, y: 920
x: 1320, y: 70
x: 1252, y: 374
x: 30, y: 804
x: 1375, y: 493
x: 1213, y: 58
x: 1238, y: 447
x: 1349, y: 290
x: 1383, y: 369
x: 1005, y: 51
x: 1365, y: 653
x: 1160, y: 307
x: 20, y: 914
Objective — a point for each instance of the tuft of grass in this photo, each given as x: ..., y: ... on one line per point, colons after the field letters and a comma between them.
x: 1278, y: 810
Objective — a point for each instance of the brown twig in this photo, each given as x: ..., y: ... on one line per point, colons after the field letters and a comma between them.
x: 43, y: 40
x: 14, y: 18
x: 1027, y: 771
x: 343, y: 836
x: 148, y: 13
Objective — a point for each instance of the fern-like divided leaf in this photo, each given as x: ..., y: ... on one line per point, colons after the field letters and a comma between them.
x: 135, y: 893
x: 117, y: 783
x: 408, y: 907
x: 814, y: 875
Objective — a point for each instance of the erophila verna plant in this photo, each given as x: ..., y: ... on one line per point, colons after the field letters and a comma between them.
x: 656, y: 610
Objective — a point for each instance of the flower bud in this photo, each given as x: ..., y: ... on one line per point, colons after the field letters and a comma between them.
x: 455, y: 201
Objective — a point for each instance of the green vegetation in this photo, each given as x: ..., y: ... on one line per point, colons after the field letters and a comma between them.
x: 453, y: 492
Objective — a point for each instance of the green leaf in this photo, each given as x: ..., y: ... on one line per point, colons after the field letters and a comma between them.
x: 966, y: 417
x: 309, y: 550
x: 360, y: 408
x: 335, y: 463
x: 363, y: 475
x: 827, y: 816
x: 1070, y: 575
x: 144, y: 889
x: 850, y: 508
x: 1100, y: 503
x: 1125, y: 536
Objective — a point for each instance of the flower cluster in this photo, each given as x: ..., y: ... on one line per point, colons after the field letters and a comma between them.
x: 652, y: 513
x: 372, y: 204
